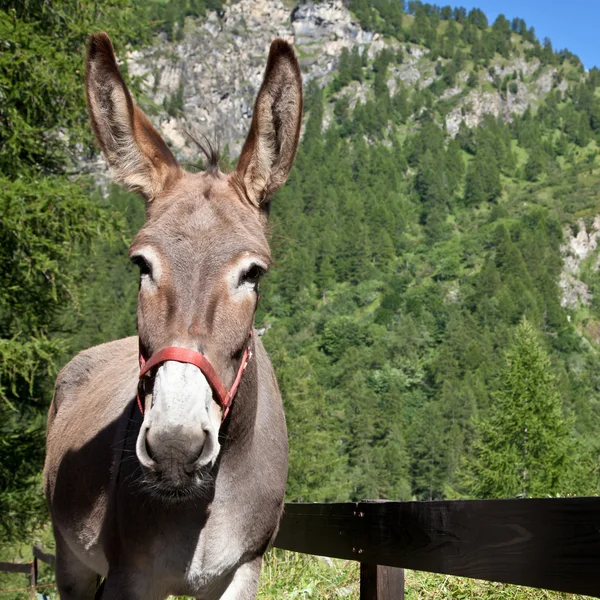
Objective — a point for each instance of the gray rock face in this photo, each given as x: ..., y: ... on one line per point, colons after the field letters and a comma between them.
x: 479, y: 103
x: 219, y: 64
x: 326, y: 22
x: 577, y: 248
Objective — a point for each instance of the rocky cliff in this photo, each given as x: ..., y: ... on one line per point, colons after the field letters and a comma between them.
x: 581, y: 244
x: 214, y: 73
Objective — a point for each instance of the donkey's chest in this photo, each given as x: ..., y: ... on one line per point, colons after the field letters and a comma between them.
x: 240, y: 523
x: 205, y: 567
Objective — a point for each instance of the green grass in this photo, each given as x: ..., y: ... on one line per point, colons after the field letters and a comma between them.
x: 288, y: 575
x: 428, y: 586
x: 21, y: 552
x: 292, y: 575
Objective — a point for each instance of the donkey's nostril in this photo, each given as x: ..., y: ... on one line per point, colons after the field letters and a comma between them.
x: 196, y: 447
x: 149, y: 450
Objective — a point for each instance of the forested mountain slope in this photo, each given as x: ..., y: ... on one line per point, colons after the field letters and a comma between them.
x: 433, y: 313
x: 204, y: 75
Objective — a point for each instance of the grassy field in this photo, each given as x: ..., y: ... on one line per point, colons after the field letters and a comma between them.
x: 288, y: 576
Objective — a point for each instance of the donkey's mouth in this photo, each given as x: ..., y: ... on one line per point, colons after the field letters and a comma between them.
x: 174, y: 489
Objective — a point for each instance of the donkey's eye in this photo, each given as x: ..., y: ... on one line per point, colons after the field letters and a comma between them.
x: 143, y: 265
x: 252, y: 275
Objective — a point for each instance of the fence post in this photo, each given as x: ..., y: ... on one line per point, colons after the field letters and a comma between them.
x: 381, y: 583
x: 34, y: 576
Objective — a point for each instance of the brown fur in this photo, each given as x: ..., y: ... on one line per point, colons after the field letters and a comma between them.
x: 200, y: 228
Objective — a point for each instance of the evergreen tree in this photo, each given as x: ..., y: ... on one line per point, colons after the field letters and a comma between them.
x: 477, y: 17
x: 355, y: 64
x: 421, y: 30
x: 451, y: 39
x: 48, y: 221
x: 535, y: 164
x: 428, y: 452
x: 483, y: 178
x: 501, y: 35
x: 523, y: 447
x: 455, y: 165
x: 344, y: 74
x: 314, y: 463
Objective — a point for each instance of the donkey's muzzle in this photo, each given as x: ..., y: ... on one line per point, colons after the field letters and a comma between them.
x: 181, y: 448
x: 179, y: 435
x: 175, y: 455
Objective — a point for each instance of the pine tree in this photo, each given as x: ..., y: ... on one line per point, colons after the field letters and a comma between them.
x: 523, y: 446
x: 356, y: 64
x: 535, y: 164
x: 455, y: 165
x: 428, y: 452
x: 474, y: 189
x: 483, y: 177
x: 314, y: 463
x: 361, y: 417
x: 429, y: 182
x: 451, y: 39
x: 344, y: 75
x: 48, y: 222
x: 391, y: 451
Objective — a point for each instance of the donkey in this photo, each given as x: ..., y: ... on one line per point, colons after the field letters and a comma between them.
x: 176, y: 485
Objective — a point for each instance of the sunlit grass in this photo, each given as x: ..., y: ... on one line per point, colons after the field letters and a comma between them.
x: 292, y: 575
x: 429, y: 586
x: 288, y: 575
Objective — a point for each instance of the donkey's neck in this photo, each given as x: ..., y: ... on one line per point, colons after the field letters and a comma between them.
x: 238, y: 429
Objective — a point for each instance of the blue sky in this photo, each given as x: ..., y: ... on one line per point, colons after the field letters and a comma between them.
x: 574, y: 25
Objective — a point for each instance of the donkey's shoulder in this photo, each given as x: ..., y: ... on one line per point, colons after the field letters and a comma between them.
x: 113, y: 356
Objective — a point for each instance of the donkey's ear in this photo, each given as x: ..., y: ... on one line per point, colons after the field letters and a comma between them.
x: 270, y: 148
x: 135, y: 152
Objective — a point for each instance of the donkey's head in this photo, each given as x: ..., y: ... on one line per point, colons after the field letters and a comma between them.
x: 201, y: 253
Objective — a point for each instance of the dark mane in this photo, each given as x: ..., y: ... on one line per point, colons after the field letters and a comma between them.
x: 211, y: 153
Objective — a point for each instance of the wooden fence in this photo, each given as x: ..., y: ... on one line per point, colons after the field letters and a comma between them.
x: 544, y: 543
x: 30, y: 568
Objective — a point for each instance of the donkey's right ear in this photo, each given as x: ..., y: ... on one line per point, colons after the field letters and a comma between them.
x: 135, y: 152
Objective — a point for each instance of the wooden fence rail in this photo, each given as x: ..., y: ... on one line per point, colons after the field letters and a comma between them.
x: 30, y: 568
x: 545, y: 543
x: 11, y: 567
x: 549, y: 543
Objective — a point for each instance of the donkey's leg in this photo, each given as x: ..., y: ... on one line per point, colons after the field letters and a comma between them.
x: 244, y: 584
x: 74, y: 580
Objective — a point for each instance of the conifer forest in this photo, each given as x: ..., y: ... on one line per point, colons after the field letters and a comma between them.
x: 433, y: 310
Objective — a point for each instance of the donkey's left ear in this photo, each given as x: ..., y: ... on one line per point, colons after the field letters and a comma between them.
x: 270, y: 148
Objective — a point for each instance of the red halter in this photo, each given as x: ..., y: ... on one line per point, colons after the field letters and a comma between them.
x: 185, y: 355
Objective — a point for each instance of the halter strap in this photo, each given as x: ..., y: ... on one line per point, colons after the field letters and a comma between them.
x: 192, y: 357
